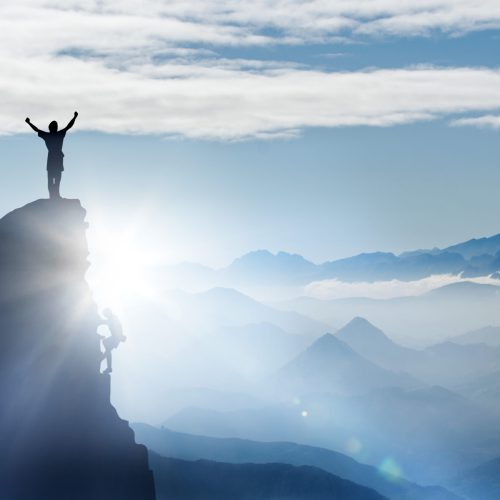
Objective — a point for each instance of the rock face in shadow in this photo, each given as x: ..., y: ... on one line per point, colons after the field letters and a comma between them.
x: 60, y: 436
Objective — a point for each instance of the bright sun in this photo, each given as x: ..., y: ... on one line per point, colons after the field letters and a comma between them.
x: 119, y: 271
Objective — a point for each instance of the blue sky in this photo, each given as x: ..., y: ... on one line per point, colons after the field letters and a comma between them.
x: 211, y: 132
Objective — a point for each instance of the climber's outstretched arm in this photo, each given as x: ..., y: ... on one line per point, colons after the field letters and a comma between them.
x: 71, y: 123
x: 36, y: 129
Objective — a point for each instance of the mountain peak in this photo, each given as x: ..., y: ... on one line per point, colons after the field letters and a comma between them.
x: 326, y: 351
x: 359, y: 321
x: 265, y: 266
x: 361, y: 330
x: 265, y: 256
x: 328, y: 339
x: 330, y: 365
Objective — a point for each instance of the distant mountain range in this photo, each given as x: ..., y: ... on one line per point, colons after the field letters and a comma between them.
x: 476, y: 257
x: 423, y: 406
x: 420, y: 320
x: 191, y: 447
x: 489, y: 335
x: 218, y: 307
x: 479, y: 483
x: 431, y: 433
x: 448, y: 363
x: 209, y: 480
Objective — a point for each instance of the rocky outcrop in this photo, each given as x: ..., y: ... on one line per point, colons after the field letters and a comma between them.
x: 60, y: 436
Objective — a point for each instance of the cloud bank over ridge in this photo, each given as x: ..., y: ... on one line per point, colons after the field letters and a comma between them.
x: 337, y: 289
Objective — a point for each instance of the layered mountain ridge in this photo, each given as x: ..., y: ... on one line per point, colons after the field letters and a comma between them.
x: 473, y: 258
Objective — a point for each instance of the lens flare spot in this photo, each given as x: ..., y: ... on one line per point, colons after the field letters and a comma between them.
x: 305, y: 413
x: 390, y: 469
x: 353, y: 446
x: 296, y: 400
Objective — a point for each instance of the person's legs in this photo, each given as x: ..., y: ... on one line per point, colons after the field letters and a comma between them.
x: 57, y: 183
x: 50, y: 183
x: 54, y: 181
x: 109, y: 368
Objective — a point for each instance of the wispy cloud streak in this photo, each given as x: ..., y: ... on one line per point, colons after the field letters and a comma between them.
x: 336, y: 289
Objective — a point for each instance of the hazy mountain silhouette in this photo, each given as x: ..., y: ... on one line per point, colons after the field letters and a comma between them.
x: 476, y: 247
x: 191, y: 447
x: 263, y: 423
x: 61, y: 437
x: 330, y: 365
x: 464, y: 289
x: 264, y: 267
x: 380, y: 266
x: 372, y: 343
x: 479, y: 483
x: 453, y: 364
x: 483, y: 389
x: 420, y: 320
x: 219, y: 307
x: 431, y: 432
x: 476, y: 257
x: 489, y: 335
x: 207, y: 480
x: 187, y: 342
x: 447, y: 363
x: 175, y: 400
x: 253, y: 351
x: 231, y: 358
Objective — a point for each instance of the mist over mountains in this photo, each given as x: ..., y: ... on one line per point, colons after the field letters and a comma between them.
x: 301, y: 398
x: 418, y: 320
x: 473, y: 258
x: 409, y: 385
x: 425, y: 418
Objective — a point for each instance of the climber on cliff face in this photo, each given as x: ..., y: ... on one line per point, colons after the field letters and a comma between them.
x: 115, y: 338
x: 54, y: 141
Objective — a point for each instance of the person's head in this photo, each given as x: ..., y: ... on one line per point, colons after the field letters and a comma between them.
x: 53, y: 126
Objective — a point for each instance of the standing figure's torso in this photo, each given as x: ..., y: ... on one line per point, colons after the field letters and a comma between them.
x: 54, y: 142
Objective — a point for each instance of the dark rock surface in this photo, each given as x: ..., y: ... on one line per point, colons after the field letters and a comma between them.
x: 206, y: 480
x: 60, y: 436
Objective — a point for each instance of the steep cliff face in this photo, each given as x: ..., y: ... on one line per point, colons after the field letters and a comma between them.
x: 60, y: 436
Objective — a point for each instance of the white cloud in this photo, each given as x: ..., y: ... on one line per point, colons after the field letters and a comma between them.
x: 336, y: 289
x: 152, y: 66
x: 487, y: 121
x: 109, y: 24
x: 215, y: 102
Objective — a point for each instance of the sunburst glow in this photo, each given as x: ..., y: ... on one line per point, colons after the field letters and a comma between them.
x: 120, y: 269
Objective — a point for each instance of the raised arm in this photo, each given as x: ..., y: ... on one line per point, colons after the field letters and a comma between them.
x: 36, y: 129
x: 71, y: 123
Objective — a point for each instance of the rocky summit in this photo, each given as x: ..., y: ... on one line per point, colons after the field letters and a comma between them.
x: 61, y: 437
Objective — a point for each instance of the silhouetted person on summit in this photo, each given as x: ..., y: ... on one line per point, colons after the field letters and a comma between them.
x: 113, y: 341
x: 54, y: 141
